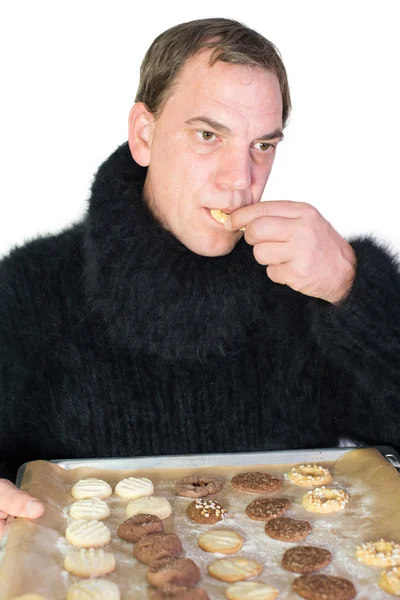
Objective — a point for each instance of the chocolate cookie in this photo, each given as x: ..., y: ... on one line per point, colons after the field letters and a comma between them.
x: 306, y: 559
x: 173, y: 571
x: 198, y: 486
x: 136, y: 527
x: 177, y: 592
x: 265, y: 509
x: 287, y: 530
x: 324, y: 587
x: 155, y: 546
x: 205, y: 511
x: 256, y: 483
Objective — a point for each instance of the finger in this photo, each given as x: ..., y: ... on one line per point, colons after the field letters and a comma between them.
x: 17, y: 503
x: 280, y: 273
x: 3, y: 515
x: 272, y: 253
x: 269, y: 208
x: 2, y: 523
x: 270, y: 229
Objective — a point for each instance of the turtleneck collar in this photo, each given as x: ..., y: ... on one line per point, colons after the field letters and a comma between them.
x: 153, y: 294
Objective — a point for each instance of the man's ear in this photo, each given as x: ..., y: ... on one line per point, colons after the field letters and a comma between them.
x: 140, y: 133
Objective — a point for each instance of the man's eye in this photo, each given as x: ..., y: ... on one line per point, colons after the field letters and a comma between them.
x: 206, y: 135
x: 265, y: 147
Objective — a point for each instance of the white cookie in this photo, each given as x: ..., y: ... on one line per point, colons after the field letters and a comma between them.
x: 250, y: 590
x: 220, y: 540
x: 149, y: 505
x: 91, y: 488
x: 89, y: 563
x: 234, y: 569
x: 91, y: 509
x: 87, y: 534
x: 134, y: 487
x: 94, y: 589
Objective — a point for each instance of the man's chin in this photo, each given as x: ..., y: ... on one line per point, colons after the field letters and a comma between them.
x: 213, y: 247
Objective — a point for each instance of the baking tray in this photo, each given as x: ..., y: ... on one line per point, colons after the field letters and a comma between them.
x: 211, y: 460
x: 207, y: 460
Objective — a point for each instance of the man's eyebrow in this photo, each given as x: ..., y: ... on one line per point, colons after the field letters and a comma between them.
x: 224, y: 129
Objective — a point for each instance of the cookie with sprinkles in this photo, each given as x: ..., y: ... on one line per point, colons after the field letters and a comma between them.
x: 325, y: 500
x: 206, y: 512
x: 380, y: 554
x: 306, y: 559
x: 309, y: 475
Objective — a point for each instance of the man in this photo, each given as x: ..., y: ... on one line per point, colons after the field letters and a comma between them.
x: 152, y: 328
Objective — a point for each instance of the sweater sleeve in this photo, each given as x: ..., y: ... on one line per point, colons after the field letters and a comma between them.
x: 361, y: 339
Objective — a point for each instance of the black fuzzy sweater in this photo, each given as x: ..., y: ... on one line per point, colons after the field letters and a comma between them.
x: 116, y: 340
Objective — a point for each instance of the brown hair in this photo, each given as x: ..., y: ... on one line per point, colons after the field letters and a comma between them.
x: 235, y: 43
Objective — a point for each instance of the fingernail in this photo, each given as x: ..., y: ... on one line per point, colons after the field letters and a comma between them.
x: 228, y: 223
x: 34, y: 508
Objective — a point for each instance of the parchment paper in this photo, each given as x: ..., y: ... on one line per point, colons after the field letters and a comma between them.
x: 35, y: 551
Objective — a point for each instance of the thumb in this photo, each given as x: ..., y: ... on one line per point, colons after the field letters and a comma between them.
x: 18, y: 504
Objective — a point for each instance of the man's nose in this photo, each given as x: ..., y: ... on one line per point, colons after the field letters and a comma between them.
x: 234, y: 170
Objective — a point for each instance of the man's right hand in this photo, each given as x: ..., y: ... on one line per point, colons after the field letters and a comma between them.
x: 17, y: 503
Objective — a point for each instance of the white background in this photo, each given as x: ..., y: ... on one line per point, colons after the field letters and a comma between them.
x: 70, y: 70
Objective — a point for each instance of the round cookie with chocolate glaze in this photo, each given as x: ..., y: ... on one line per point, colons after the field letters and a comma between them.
x: 265, y: 509
x: 206, y: 512
x: 156, y: 546
x: 173, y: 571
x: 177, y: 592
x: 256, y: 482
x: 134, y: 528
x: 287, y: 530
x: 324, y: 587
x: 306, y: 559
x: 195, y: 486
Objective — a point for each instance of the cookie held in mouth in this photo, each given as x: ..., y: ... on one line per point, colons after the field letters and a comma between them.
x: 220, y: 216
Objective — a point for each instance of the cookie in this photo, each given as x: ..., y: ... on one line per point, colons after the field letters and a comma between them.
x: 89, y: 563
x: 29, y: 597
x: 379, y: 554
x: 325, y: 500
x: 306, y: 559
x: 156, y: 546
x: 220, y: 540
x: 264, y: 509
x: 134, y: 528
x: 256, y: 483
x: 198, y: 486
x: 251, y: 590
x: 390, y: 581
x: 173, y: 571
x: 94, y: 589
x: 309, y: 475
x: 177, y: 592
x: 91, y: 488
x: 149, y: 505
x: 324, y: 587
x: 87, y: 534
x: 205, y: 511
x: 234, y: 569
x: 287, y: 530
x: 134, y: 487
x: 91, y: 509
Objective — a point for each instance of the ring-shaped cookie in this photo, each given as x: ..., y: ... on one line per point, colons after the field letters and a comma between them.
x: 325, y: 500
x: 309, y: 475
x: 390, y: 581
x: 198, y: 486
x: 379, y: 554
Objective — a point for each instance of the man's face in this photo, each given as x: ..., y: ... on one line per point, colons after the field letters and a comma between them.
x: 196, y: 166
